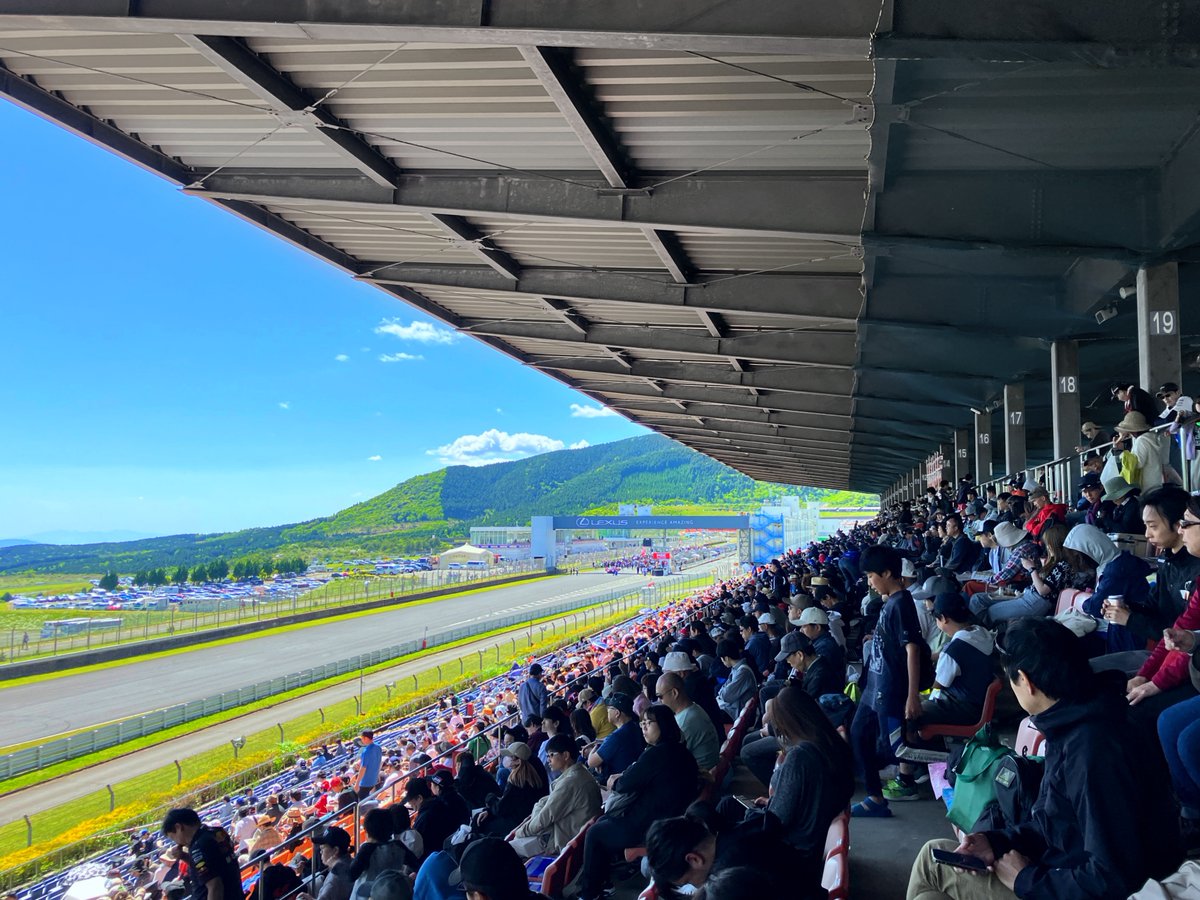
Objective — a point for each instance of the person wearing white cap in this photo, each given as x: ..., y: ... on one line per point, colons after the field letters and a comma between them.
x: 1020, y: 546
x: 814, y: 625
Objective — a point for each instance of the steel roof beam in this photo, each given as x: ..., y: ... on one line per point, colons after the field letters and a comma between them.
x: 826, y: 348
x: 732, y: 26
x: 814, y: 381
x: 474, y: 240
x: 819, y: 406
x: 826, y: 207
x: 834, y: 298
x: 574, y: 320
x: 292, y: 105
x: 794, y: 436
x: 719, y: 413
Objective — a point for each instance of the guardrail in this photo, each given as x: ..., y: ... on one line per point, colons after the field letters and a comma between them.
x: 33, y: 758
x: 141, y: 625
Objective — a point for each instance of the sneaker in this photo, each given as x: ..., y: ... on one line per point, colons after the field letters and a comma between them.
x: 898, y: 790
x: 869, y: 809
x: 922, y: 777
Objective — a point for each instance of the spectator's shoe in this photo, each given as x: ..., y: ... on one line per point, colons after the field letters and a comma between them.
x: 898, y: 790
x: 869, y: 809
x: 922, y: 777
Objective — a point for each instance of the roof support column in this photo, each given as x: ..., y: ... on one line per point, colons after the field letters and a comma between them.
x: 1014, y: 428
x: 1064, y: 381
x: 1158, y: 325
x: 983, y: 447
x: 962, y: 454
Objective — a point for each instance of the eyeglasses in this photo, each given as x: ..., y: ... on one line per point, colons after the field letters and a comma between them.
x: 1188, y: 523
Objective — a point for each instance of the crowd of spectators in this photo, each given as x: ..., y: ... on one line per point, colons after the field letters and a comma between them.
x: 849, y: 648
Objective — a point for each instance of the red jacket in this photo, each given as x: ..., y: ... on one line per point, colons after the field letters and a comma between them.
x: 1047, y: 515
x: 1169, y: 668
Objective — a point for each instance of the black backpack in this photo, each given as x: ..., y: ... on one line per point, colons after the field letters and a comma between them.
x: 1018, y: 780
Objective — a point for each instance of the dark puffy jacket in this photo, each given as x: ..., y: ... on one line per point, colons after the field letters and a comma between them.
x: 1104, y: 820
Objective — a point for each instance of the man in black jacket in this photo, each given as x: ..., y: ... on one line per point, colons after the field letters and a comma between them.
x: 1104, y: 820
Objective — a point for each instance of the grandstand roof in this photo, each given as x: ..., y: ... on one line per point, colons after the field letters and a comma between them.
x: 802, y: 238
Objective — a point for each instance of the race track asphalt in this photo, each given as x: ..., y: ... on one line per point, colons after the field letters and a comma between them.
x: 72, y: 701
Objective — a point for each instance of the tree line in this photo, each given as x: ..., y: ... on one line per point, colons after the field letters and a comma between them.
x: 216, y: 570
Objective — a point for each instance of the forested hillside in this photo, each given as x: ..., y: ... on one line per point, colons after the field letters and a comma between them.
x: 438, y: 508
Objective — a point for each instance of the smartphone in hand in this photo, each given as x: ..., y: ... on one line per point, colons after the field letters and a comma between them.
x: 958, y: 860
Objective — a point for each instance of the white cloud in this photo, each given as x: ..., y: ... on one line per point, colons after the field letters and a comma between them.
x: 398, y: 357
x: 375, y: 458
x: 284, y: 404
x: 422, y: 332
x: 579, y: 445
x: 499, y: 410
x: 341, y: 357
x: 579, y: 411
x: 494, y: 446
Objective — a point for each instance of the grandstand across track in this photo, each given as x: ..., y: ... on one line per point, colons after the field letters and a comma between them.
x: 33, y: 711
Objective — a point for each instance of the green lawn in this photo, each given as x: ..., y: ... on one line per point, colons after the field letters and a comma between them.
x: 32, y: 584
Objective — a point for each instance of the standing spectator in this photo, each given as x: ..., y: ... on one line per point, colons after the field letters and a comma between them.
x: 1136, y: 440
x: 532, y: 698
x: 215, y: 874
x: 1094, y: 435
x: 893, y: 675
x: 758, y: 645
x: 370, y: 760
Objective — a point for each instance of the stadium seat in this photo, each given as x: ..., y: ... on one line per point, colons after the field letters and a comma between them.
x: 836, y: 877
x: 837, y: 839
x: 567, y: 864
x: 1066, y: 598
x: 1030, y: 741
x: 967, y: 731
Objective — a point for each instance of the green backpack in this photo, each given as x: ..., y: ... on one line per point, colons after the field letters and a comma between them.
x: 974, y: 784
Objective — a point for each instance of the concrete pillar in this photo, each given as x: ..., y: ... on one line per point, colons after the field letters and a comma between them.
x: 1158, y: 325
x: 1014, y: 428
x: 962, y: 454
x: 1064, y: 380
x: 983, y: 447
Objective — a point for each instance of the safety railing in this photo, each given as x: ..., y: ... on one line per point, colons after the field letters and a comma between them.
x: 111, y: 735
x: 198, y: 616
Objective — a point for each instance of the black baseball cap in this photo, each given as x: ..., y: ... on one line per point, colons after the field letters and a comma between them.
x: 490, y: 866
x: 334, y: 837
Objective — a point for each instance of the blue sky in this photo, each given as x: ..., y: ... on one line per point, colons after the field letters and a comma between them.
x: 168, y: 368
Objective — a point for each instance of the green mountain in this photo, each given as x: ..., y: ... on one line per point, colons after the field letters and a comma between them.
x: 435, y: 509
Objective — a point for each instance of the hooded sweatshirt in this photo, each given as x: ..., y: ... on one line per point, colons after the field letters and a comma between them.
x: 1118, y: 572
x: 964, y: 667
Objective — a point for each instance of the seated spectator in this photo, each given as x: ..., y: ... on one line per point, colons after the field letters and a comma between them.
x: 1103, y: 821
x: 556, y: 721
x: 392, y: 886
x: 535, y: 735
x: 965, y: 671
x: 1179, y: 730
x: 333, y: 847
x: 378, y: 853
x: 1018, y: 545
x: 696, y: 681
x: 491, y: 870
x: 1163, y: 678
x: 433, y: 819
x: 924, y: 597
x: 444, y: 787
x: 680, y: 853
x: 817, y: 676
x: 275, y: 882
x: 525, y: 786
x: 785, y: 833
x: 892, y: 690
x: 661, y: 783
x: 814, y: 625
x: 736, y: 692
x: 475, y: 783
x: 266, y: 837
x: 757, y: 646
x: 1044, y: 512
x: 699, y: 733
x: 581, y: 722
x: 590, y: 698
x: 1092, y: 504
x: 1119, y: 574
x: 959, y: 553
x: 1120, y: 512
x: 618, y: 751
x: 573, y: 800
x: 1038, y: 596
x: 737, y: 883
x: 1095, y: 435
